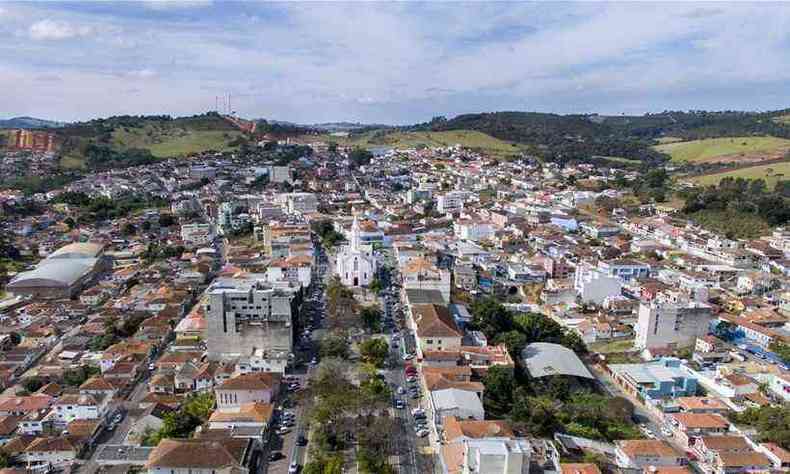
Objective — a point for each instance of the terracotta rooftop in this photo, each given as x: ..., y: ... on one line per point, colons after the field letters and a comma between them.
x: 647, y: 448
x: 191, y: 453
x: 579, y: 468
x: 434, y: 321
x: 251, y: 381
x: 455, y: 428
x: 725, y: 443
x: 701, y: 420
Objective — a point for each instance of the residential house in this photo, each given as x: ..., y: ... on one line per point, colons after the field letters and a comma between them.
x: 246, y: 388
x: 641, y: 453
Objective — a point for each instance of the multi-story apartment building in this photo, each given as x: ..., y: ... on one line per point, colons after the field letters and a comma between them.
x: 663, y: 322
x: 196, y: 234
x: 246, y: 316
x: 451, y: 202
x: 625, y: 270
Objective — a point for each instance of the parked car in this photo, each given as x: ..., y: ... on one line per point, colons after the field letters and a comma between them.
x: 283, y: 430
x: 293, y: 468
x: 422, y: 433
x: 276, y: 456
x: 301, y: 441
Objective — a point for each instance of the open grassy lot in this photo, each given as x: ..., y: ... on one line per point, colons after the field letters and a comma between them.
x: 168, y: 141
x: 72, y: 162
x: 726, y: 149
x: 770, y: 173
x: 466, y: 138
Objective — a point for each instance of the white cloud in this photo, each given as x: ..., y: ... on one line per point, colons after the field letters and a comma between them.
x: 57, y: 30
x: 175, y: 4
x: 143, y: 73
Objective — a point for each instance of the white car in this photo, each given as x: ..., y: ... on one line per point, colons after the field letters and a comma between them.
x: 408, y: 357
x: 418, y: 411
x: 284, y: 430
x: 293, y: 468
x: 422, y: 433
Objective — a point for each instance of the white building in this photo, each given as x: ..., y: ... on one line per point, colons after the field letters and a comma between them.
x: 197, y: 234
x: 461, y: 404
x: 420, y: 274
x: 472, y: 230
x: 302, y: 203
x: 280, y: 174
x: 663, y: 322
x: 451, y: 202
x: 593, y: 285
x: 356, y: 265
x: 496, y: 456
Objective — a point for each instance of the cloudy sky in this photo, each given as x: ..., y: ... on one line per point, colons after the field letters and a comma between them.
x: 389, y: 62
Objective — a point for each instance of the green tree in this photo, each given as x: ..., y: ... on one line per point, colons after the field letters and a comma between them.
x: 129, y: 229
x: 371, y: 318
x: 498, y: 396
x: 334, y: 345
x: 374, y: 351
x: 166, y: 220
x: 70, y: 222
x: 32, y: 384
x: 782, y: 350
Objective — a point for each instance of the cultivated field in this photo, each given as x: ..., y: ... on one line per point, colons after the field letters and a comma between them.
x: 466, y: 138
x: 725, y: 150
x: 770, y: 173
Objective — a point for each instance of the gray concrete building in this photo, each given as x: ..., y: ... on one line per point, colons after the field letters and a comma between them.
x: 248, y: 317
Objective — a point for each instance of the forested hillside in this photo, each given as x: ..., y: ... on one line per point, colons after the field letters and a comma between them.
x: 579, y: 137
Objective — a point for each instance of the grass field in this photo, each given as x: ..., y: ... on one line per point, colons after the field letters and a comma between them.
x: 725, y: 149
x: 72, y: 162
x: 770, y: 173
x: 167, y: 141
x: 665, y: 140
x: 466, y: 138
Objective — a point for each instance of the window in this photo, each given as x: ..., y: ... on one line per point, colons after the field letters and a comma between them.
x: 429, y: 341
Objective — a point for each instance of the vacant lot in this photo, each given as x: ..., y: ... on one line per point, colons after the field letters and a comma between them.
x: 722, y: 150
x: 165, y: 141
x: 770, y: 173
x: 466, y: 138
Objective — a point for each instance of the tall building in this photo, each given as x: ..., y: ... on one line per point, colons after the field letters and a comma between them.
x: 247, y: 317
x: 451, y: 202
x: 32, y: 140
x: 667, y: 321
x: 356, y: 265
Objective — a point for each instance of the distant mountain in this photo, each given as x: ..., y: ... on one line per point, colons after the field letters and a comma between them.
x: 29, y: 122
x: 346, y: 126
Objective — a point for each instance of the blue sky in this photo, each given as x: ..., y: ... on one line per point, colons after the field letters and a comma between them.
x: 389, y: 62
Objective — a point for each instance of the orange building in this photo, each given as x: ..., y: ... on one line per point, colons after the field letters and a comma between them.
x: 32, y: 140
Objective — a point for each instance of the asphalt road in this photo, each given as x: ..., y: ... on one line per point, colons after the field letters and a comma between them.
x: 286, y: 444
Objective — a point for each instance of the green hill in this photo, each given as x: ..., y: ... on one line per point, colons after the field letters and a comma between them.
x: 727, y: 148
x: 403, y: 139
x: 132, y: 140
x: 581, y: 137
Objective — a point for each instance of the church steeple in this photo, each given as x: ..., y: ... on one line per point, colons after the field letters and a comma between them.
x: 355, y: 235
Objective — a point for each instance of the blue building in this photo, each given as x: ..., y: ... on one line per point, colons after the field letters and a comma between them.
x: 656, y: 380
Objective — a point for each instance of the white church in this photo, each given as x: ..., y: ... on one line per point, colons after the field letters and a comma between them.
x: 356, y: 265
